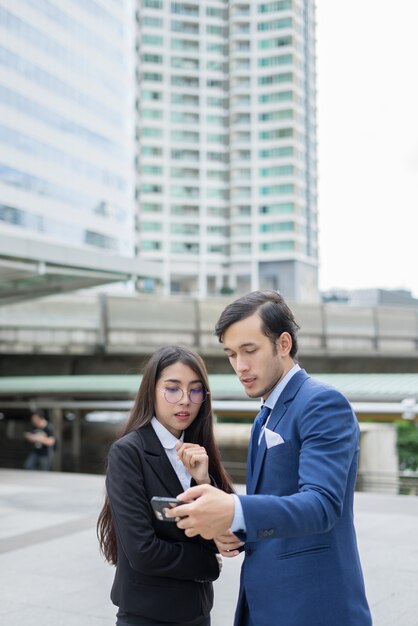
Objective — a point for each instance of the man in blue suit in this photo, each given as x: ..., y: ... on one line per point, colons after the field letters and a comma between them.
x: 301, y: 565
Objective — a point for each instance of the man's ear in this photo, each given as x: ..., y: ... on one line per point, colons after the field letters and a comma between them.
x: 284, y: 344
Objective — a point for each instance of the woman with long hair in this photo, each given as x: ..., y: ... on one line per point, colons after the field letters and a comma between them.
x: 162, y: 576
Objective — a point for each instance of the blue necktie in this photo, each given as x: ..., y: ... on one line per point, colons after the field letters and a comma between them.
x: 259, y: 422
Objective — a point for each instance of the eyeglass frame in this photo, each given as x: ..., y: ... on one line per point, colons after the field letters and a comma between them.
x: 164, y: 389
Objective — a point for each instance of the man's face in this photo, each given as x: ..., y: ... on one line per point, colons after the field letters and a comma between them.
x: 37, y: 421
x: 257, y: 362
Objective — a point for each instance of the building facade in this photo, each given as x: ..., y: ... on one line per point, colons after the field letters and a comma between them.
x: 67, y: 122
x: 226, y: 145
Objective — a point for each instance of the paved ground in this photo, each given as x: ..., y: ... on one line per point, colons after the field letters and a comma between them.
x: 51, y: 573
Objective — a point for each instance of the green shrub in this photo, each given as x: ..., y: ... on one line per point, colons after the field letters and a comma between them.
x: 407, y: 445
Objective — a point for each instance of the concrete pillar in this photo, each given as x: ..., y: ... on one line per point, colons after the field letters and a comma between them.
x: 378, y: 464
x: 56, y: 417
x: 76, y: 441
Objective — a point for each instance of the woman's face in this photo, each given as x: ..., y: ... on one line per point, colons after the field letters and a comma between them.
x: 173, y: 407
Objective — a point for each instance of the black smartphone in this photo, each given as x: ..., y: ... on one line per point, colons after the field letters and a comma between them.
x: 160, y: 503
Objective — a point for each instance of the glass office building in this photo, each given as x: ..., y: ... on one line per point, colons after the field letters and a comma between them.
x: 67, y: 122
x: 226, y: 145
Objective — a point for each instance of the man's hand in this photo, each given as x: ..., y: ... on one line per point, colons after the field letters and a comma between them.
x: 209, y: 515
x: 228, y: 544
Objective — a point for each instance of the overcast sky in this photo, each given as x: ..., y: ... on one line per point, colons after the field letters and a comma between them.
x: 367, y: 80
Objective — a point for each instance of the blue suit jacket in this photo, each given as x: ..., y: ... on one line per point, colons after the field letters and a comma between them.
x: 301, y: 565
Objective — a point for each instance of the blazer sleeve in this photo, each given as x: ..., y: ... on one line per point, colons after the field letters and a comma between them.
x: 133, y: 519
x: 329, y: 436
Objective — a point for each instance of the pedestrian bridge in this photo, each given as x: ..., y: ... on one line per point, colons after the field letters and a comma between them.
x: 98, y: 333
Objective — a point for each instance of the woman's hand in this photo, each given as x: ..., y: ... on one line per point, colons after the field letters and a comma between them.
x: 228, y: 544
x: 195, y: 460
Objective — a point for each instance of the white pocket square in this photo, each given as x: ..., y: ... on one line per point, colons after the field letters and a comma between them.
x: 272, y: 438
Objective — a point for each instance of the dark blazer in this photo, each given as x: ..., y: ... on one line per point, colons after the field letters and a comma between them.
x: 161, y: 574
x: 301, y: 566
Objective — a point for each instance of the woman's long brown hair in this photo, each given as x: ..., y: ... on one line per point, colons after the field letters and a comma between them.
x: 200, y: 431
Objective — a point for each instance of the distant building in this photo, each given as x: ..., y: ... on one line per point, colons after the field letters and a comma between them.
x: 381, y: 297
x: 371, y: 297
x: 66, y: 122
x: 181, y: 132
x: 226, y: 137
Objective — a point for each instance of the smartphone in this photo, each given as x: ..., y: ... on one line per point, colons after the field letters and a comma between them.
x: 159, y: 504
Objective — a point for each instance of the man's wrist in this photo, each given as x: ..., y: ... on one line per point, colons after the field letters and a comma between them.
x: 238, y: 521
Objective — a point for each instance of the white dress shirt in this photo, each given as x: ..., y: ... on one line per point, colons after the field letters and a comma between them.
x: 168, y: 441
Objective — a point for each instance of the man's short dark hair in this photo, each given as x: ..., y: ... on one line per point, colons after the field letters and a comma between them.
x: 276, y: 316
x: 38, y: 412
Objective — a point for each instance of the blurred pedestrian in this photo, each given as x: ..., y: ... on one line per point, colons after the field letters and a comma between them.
x: 43, y: 440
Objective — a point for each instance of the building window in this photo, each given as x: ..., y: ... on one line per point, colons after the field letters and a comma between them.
x: 277, y: 246
x: 277, y: 227
x: 270, y: 153
x: 276, y: 116
x: 151, y: 245
x: 280, y: 5
x: 152, y: 40
x: 153, y: 170
x: 185, y: 229
x: 280, y: 96
x: 277, y: 190
x: 285, y: 22
x: 154, y: 22
x: 275, y: 43
x: 150, y: 207
x: 149, y: 226
x: 149, y: 131
x: 279, y: 170
x: 148, y: 188
x: 153, y: 77
x: 153, y: 4
x: 184, y: 247
x: 278, y: 133
x: 280, y: 207
x: 283, y: 59
x: 183, y: 8
x: 152, y: 58
x: 287, y: 77
x: 151, y: 95
x: 154, y: 114
x: 151, y: 151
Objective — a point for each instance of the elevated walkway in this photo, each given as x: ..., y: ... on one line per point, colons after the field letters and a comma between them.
x: 91, y: 333
x: 31, y: 268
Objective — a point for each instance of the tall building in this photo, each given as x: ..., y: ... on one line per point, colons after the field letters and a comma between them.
x: 67, y: 82
x: 226, y: 145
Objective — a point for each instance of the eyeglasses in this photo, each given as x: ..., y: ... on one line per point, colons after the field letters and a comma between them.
x: 176, y: 394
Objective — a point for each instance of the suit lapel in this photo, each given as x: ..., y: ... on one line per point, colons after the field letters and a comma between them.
x: 158, y: 460
x: 288, y: 394
x: 279, y: 410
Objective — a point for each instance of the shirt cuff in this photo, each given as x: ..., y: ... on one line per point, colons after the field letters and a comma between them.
x: 238, y: 522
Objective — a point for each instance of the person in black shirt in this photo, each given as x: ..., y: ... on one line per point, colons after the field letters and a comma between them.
x: 42, y: 437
